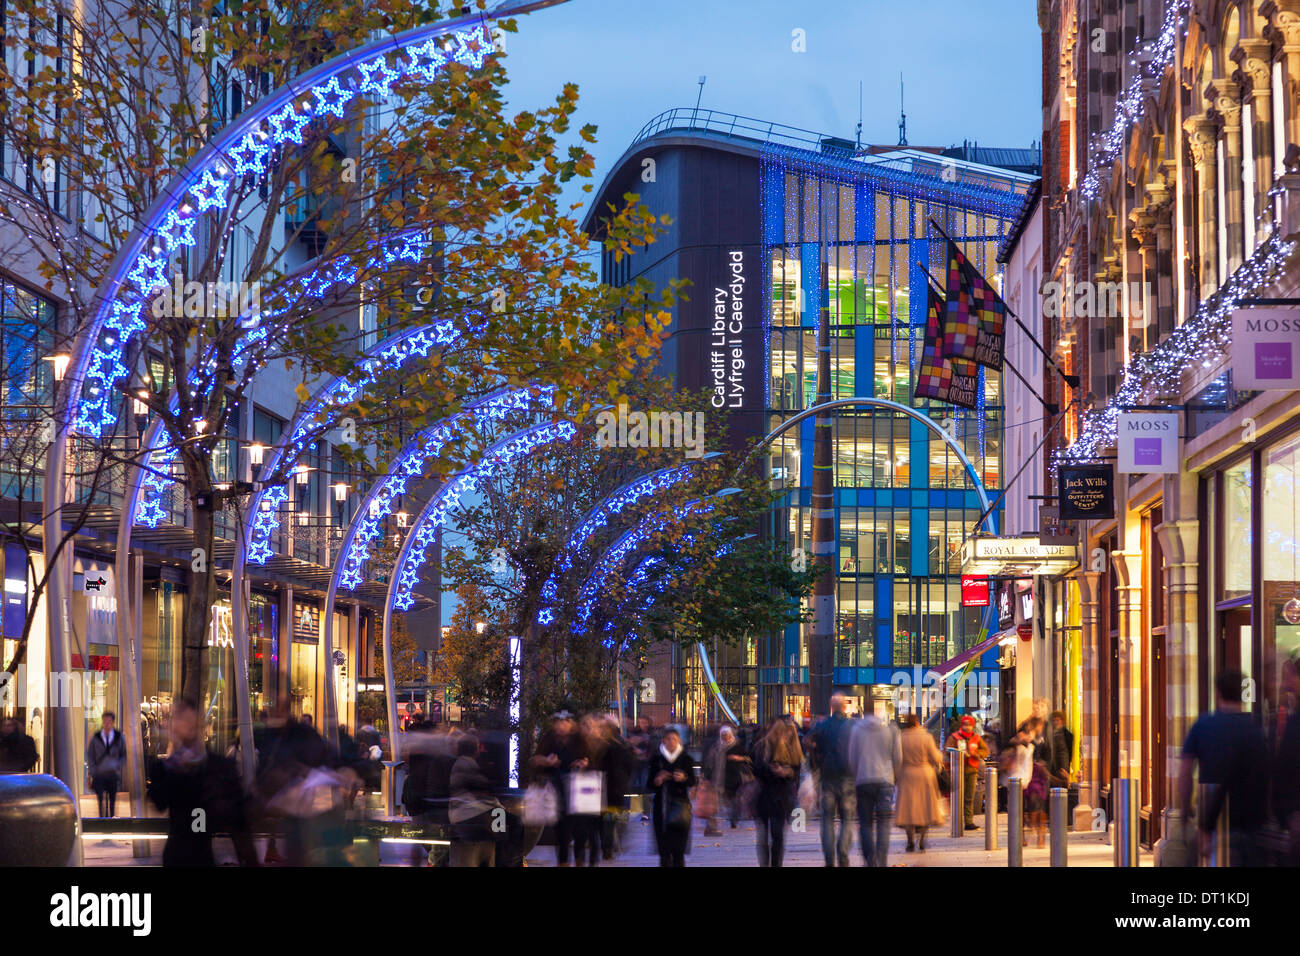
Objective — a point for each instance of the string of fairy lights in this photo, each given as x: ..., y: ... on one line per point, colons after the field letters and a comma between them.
x: 1205, y: 339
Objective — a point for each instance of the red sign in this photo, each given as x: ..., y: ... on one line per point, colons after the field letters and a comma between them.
x: 1026, y: 631
x: 974, y: 591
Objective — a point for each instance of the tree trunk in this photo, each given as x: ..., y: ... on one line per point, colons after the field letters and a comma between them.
x: 198, y: 605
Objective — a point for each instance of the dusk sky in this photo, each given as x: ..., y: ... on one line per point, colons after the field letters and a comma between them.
x: 972, y: 70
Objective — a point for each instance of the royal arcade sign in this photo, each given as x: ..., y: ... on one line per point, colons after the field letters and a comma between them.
x: 1016, y: 557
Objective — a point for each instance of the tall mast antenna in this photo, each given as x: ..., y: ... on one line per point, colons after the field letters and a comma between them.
x: 902, y: 114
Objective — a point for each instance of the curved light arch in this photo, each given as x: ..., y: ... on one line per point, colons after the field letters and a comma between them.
x: 260, y: 524
x: 354, y: 548
x: 247, y: 147
x: 632, y: 539
x: 414, y: 550
x: 599, y: 516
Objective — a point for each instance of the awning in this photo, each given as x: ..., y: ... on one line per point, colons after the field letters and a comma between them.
x: 951, y: 666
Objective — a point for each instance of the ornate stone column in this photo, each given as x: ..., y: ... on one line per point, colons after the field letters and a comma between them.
x: 1201, y: 138
x: 1255, y: 78
x: 1226, y: 97
x: 1284, y: 28
x: 1161, y: 209
x: 1179, y: 540
x: 1128, y: 574
x: 1147, y: 324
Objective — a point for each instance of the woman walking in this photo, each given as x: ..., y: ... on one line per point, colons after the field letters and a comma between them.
x: 918, y: 783
x: 671, y: 775
x: 777, y: 760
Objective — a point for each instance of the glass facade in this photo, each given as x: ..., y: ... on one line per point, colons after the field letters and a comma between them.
x: 904, y: 501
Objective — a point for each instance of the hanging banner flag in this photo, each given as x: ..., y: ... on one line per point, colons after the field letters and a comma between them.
x: 949, y: 380
x: 1265, y: 348
x: 1148, y: 443
x: 974, y: 322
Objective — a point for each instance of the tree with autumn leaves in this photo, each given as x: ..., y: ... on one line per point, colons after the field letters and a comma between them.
x: 704, y: 569
x: 115, y: 98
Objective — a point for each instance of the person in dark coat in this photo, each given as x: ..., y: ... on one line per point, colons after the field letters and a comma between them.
x: 196, y: 786
x: 777, y: 761
x: 105, y: 756
x: 17, y: 749
x: 618, y: 763
x: 560, y: 752
x: 672, y: 774
x: 472, y: 808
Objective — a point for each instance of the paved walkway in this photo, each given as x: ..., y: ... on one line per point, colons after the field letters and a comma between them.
x: 731, y: 848
x: 738, y: 848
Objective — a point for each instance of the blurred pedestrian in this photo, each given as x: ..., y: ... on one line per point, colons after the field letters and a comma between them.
x: 875, y: 757
x: 672, y: 774
x: 616, y: 763
x: 1286, y: 762
x: 1229, y: 749
x: 726, y: 766
x: 1061, y: 750
x: 105, y: 755
x: 918, y: 807
x: 777, y: 761
x: 973, y: 750
x: 195, y: 785
x: 828, y: 755
x: 476, y: 815
x: 641, y: 739
x: 17, y: 748
x: 559, y: 753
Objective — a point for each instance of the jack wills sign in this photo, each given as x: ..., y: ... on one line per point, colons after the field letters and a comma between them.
x: 1266, y: 348
x: 1148, y: 443
x: 1087, y: 494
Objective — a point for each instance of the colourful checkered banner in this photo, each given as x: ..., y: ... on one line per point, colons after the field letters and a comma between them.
x: 949, y: 380
x: 975, y: 318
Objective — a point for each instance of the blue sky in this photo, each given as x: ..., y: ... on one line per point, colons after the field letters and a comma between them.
x: 971, y: 67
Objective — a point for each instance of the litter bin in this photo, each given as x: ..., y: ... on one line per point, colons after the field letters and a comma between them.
x: 38, y: 820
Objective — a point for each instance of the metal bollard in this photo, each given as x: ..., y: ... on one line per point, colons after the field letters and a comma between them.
x: 388, y: 788
x: 1058, y: 811
x: 990, y: 807
x: 1015, y: 822
x: 1124, y: 837
x: 1219, y: 853
x: 956, y: 799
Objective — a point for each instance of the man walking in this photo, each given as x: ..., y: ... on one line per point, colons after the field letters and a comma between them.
x: 17, y: 748
x: 829, y: 756
x: 876, y: 753
x: 105, y: 755
x: 1228, y: 747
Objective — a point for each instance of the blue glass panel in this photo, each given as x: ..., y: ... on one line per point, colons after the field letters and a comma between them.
x: 864, y: 214
x: 810, y: 281
x: 920, y: 542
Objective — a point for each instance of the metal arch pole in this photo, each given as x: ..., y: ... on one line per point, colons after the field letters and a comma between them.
x: 129, y: 638
x: 67, y: 399
x: 924, y: 419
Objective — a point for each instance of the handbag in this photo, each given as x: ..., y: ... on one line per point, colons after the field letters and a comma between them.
x: 706, y: 801
x: 586, y: 793
x: 677, y: 812
x: 541, y: 808
x: 945, y: 781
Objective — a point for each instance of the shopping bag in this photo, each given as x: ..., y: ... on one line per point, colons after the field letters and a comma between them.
x: 586, y: 792
x: 706, y: 801
x: 540, y: 805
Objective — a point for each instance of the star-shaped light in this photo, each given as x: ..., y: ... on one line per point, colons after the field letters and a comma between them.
x: 210, y: 193
x: 331, y: 98
x: 250, y: 155
x: 426, y: 59
x: 288, y: 124
x: 376, y: 77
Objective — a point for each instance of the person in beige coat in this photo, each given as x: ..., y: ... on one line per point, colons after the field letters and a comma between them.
x: 919, y: 806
